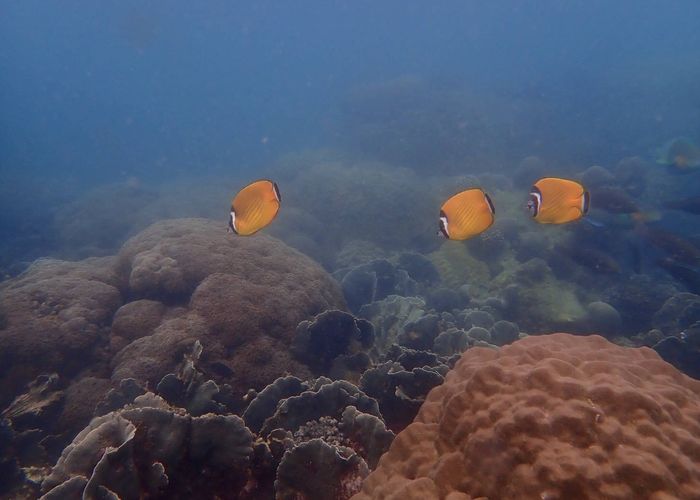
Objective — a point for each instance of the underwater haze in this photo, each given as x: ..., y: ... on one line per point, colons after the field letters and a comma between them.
x: 247, y: 246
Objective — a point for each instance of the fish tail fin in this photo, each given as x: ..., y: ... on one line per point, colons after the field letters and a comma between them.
x: 593, y: 222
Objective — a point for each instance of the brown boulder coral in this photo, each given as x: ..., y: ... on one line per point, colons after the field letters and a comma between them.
x: 553, y: 416
x: 241, y: 297
x: 52, y: 318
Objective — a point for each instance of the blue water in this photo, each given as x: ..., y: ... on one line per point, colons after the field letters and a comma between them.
x: 101, y: 91
x: 93, y: 94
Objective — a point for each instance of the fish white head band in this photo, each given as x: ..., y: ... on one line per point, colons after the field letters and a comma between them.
x: 444, y: 227
x: 534, y: 203
x: 232, y: 222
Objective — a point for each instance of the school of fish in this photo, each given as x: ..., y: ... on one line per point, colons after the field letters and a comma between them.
x: 551, y: 200
x: 463, y: 216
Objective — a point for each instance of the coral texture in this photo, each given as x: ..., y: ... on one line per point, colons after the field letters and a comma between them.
x: 555, y: 416
x: 244, y: 298
x: 54, y: 316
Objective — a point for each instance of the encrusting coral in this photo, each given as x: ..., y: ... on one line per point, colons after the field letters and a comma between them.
x: 554, y: 416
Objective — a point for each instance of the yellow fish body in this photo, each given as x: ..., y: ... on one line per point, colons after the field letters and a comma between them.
x: 254, y: 207
x: 466, y: 214
x: 558, y: 201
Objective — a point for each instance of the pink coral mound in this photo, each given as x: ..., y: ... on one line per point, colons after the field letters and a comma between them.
x: 550, y: 417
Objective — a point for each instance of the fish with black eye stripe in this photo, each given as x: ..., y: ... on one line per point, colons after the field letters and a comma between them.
x: 254, y: 207
x: 558, y: 201
x: 466, y: 215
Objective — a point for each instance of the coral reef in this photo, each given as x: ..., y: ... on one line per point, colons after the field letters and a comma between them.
x: 374, y: 281
x: 445, y: 299
x: 400, y: 387
x: 330, y: 430
x: 596, y: 176
x: 389, y: 316
x: 602, y: 318
x: 457, y: 266
x: 419, y: 268
x: 242, y: 298
x: 328, y: 399
x: 150, y: 448
x: 679, y: 312
x: 552, y: 416
x: 683, y: 352
x: 637, y: 300
x: 185, y: 441
x: 539, y: 300
x: 330, y: 335
x: 55, y: 317
x: 110, y: 328
x: 369, y: 201
x: 315, y: 469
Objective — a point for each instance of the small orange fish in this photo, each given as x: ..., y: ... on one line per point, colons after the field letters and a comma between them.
x: 557, y: 201
x: 466, y: 214
x: 254, y: 207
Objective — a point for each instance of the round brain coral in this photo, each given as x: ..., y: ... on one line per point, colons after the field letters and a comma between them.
x: 550, y: 417
x: 242, y: 297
